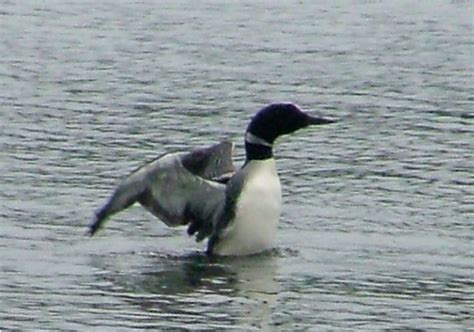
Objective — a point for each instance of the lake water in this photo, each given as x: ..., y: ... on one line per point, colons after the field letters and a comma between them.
x: 377, y: 228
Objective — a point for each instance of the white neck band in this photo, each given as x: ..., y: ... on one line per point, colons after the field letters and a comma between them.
x: 252, y: 139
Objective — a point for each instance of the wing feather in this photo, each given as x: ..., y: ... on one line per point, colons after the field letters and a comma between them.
x: 177, y: 188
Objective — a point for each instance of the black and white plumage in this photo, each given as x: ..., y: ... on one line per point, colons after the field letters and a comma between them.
x: 238, y: 211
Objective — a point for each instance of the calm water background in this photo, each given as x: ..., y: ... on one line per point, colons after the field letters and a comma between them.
x: 377, y: 227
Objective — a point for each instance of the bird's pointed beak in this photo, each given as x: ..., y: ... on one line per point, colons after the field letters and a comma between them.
x: 314, y: 120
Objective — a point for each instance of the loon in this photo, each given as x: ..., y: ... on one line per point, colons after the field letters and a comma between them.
x: 236, y: 210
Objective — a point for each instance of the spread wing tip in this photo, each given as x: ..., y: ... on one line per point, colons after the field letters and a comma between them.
x: 97, y: 222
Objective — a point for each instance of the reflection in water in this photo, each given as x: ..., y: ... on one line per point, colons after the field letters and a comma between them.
x: 197, y: 289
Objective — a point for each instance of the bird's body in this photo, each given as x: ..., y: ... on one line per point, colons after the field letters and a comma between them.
x: 238, y: 212
x: 256, y: 211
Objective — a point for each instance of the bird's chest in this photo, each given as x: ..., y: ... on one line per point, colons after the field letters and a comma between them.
x: 260, y: 200
x: 258, y: 209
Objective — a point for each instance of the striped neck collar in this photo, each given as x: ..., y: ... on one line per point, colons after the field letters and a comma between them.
x: 257, y: 148
x: 252, y: 139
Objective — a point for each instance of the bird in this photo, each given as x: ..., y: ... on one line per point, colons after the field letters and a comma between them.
x: 236, y: 210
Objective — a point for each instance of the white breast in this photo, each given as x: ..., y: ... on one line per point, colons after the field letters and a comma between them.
x: 257, y: 212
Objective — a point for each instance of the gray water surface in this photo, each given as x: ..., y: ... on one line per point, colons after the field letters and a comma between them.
x: 377, y: 228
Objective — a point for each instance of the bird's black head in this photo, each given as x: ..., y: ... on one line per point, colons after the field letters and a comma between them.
x: 273, y: 121
x: 280, y: 119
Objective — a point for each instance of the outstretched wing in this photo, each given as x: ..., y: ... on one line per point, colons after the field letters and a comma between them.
x: 178, y: 188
